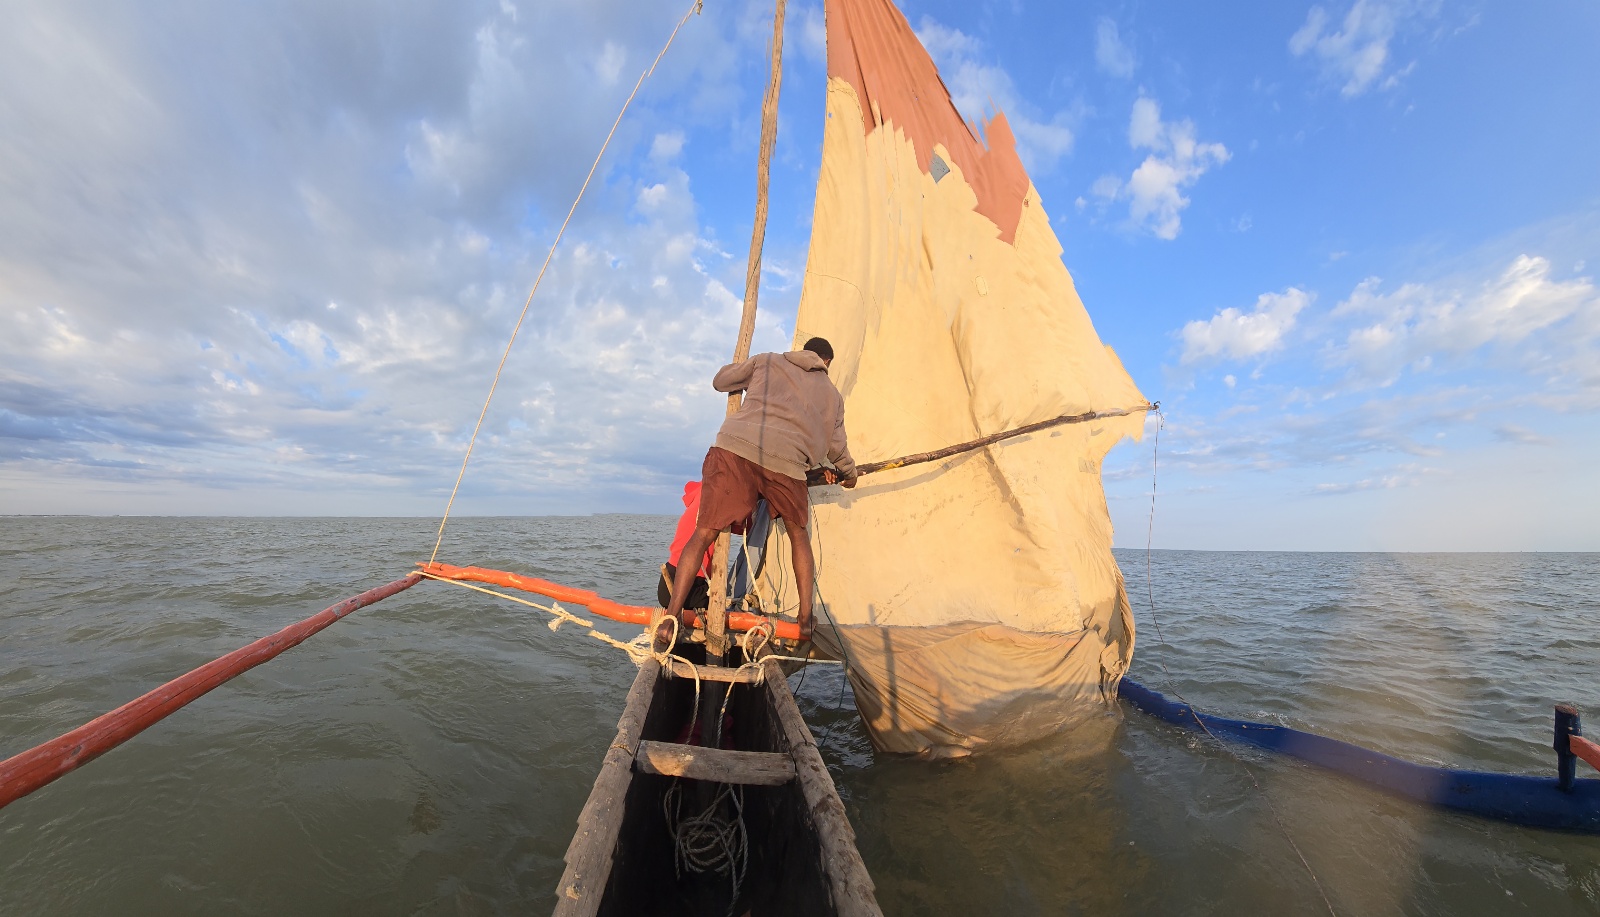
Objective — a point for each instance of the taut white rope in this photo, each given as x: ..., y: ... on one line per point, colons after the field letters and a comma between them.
x: 537, y: 280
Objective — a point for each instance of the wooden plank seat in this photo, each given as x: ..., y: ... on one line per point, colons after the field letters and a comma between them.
x: 803, y: 860
x: 744, y: 676
x: 716, y: 765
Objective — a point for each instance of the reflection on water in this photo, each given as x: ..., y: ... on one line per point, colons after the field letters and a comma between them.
x: 430, y: 754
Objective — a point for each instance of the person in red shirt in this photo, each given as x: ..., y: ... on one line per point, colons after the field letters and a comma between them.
x: 791, y: 421
x: 698, y: 597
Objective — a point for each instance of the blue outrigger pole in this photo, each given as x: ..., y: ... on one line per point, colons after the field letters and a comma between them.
x: 1561, y: 803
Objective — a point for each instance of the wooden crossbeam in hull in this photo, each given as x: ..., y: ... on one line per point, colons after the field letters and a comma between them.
x: 802, y: 851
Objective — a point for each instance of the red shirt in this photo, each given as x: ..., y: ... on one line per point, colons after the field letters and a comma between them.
x: 686, y: 527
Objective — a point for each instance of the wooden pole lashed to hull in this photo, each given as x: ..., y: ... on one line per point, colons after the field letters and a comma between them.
x: 717, y: 612
x: 32, y: 769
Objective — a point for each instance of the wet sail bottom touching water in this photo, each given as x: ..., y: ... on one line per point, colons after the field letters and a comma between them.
x: 429, y: 755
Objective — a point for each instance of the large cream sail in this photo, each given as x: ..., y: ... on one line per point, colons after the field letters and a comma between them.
x: 975, y: 600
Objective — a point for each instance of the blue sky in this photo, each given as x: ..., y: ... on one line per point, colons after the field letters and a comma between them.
x: 263, y: 259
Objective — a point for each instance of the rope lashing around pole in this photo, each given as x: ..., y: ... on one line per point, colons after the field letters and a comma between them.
x: 638, y: 649
x: 473, y: 441
x: 937, y: 454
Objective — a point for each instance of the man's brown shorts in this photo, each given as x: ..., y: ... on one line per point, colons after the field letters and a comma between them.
x: 730, y: 485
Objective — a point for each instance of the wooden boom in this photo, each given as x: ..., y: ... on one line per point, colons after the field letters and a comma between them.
x: 993, y: 438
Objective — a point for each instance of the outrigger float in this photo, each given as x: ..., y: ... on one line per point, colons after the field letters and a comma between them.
x: 1559, y: 803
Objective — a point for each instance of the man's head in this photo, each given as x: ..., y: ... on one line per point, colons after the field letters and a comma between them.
x: 821, y: 348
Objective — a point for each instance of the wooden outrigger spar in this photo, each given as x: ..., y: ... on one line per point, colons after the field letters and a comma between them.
x: 41, y: 765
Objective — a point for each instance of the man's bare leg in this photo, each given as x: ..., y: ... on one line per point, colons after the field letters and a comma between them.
x: 805, y: 568
x: 689, y: 560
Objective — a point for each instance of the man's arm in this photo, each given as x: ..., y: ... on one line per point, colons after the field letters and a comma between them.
x: 839, y: 453
x: 735, y: 377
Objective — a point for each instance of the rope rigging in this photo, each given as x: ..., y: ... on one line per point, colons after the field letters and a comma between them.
x: 710, y: 842
x: 639, y: 649
x: 471, y: 442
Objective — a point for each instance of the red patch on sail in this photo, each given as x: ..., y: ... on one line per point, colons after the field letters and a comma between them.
x: 871, y: 45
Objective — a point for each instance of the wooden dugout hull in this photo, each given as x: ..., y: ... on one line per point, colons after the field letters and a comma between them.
x: 802, y: 851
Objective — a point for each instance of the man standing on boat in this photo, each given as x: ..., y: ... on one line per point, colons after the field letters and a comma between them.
x: 792, y: 418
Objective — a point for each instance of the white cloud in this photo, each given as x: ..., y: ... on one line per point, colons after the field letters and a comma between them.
x: 1521, y: 301
x: 652, y: 197
x: 978, y: 88
x: 813, y: 32
x: 944, y: 43
x: 1408, y: 475
x: 1522, y: 436
x: 1041, y: 144
x: 1357, y: 52
x: 1144, y: 125
x: 1387, y: 482
x: 1177, y: 160
x: 186, y: 203
x: 609, y: 65
x: 1235, y: 335
x: 1541, y: 325
x: 1110, y: 54
x: 666, y: 146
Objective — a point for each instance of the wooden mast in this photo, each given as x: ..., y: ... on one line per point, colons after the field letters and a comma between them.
x: 717, y: 613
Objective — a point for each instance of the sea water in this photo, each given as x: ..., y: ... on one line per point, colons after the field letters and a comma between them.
x: 430, y: 754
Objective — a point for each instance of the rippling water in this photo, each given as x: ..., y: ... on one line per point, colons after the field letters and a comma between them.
x: 429, y: 755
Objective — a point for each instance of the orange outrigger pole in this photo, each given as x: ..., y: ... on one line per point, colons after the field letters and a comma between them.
x: 23, y: 773
x: 627, y: 614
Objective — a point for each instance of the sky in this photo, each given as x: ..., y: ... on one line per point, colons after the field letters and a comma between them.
x: 264, y: 258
